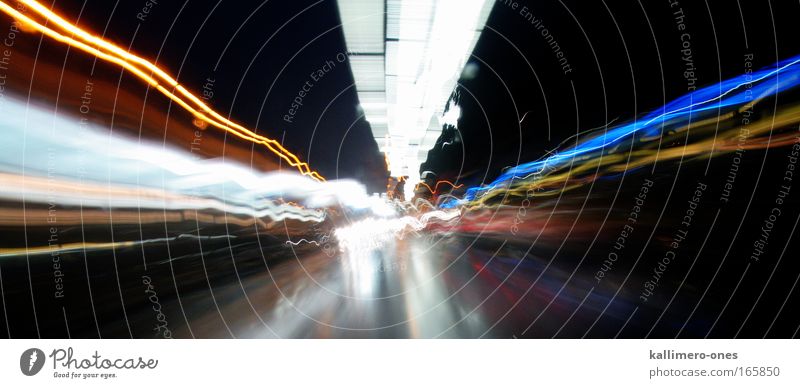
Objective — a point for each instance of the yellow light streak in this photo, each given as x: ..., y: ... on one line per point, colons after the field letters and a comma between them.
x: 435, y: 188
x: 82, y: 40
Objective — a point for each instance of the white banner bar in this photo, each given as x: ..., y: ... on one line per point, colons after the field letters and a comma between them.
x: 399, y: 363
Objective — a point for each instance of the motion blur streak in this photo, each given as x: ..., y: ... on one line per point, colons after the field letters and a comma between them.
x: 372, y: 233
x: 87, y: 178
x: 435, y: 188
x: 703, y: 124
x: 109, y: 52
x: 88, y: 246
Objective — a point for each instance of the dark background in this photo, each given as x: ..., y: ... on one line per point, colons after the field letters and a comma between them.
x: 259, y: 54
x: 626, y: 60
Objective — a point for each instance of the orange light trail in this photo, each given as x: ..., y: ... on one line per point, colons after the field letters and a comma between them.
x: 436, y: 187
x: 82, y: 40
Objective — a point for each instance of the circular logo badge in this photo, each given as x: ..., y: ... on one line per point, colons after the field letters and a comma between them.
x: 31, y: 361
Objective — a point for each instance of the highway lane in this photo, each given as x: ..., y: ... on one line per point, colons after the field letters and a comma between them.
x: 455, y: 287
x: 237, y: 285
